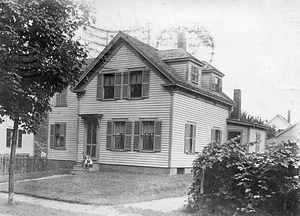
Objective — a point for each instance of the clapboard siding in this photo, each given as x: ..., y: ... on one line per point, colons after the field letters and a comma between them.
x: 180, y: 67
x: 252, y: 138
x: 69, y: 115
x: 156, y: 106
x: 244, y: 132
x: 205, y: 115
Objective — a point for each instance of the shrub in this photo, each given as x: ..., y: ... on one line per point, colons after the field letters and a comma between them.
x: 229, y: 181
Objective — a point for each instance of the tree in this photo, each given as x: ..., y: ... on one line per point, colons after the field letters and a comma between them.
x: 39, y: 56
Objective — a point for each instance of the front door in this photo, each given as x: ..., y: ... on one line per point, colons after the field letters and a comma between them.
x: 91, y: 140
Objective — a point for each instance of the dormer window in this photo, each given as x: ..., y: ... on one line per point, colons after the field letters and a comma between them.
x: 195, y: 75
x: 216, y: 85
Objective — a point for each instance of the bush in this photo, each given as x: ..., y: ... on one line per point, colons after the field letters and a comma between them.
x: 229, y: 181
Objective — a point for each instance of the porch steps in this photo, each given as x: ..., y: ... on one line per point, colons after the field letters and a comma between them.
x: 78, y: 168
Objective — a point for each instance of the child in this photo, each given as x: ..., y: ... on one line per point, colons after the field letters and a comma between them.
x: 88, y: 163
x: 84, y: 157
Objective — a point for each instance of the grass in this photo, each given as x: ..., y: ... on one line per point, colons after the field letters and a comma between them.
x: 105, y: 188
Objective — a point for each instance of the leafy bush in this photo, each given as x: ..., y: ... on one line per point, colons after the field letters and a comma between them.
x: 229, y: 181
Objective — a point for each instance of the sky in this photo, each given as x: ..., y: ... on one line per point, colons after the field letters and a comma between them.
x: 257, y: 43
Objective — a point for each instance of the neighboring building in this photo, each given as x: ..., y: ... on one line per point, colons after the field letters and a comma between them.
x: 249, y: 132
x: 25, y: 145
x: 280, y: 122
x: 136, y: 107
x: 290, y: 133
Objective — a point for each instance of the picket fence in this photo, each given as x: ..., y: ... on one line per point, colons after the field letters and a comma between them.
x: 23, y: 164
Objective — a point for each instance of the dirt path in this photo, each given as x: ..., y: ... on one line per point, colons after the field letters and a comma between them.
x: 163, y: 205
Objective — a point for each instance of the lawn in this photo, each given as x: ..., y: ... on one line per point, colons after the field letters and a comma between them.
x: 105, y: 188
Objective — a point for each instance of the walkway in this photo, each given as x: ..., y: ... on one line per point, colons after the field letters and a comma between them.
x: 163, y: 205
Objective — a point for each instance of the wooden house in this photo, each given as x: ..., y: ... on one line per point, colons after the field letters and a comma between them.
x: 249, y: 132
x: 290, y: 133
x: 139, y: 108
x: 280, y: 122
x: 25, y: 143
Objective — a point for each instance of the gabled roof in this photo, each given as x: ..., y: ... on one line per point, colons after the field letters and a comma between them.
x: 287, y: 129
x: 281, y: 118
x: 208, y: 68
x: 178, y: 55
x: 156, y: 58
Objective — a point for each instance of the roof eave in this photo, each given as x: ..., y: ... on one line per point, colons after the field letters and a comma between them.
x: 197, y: 92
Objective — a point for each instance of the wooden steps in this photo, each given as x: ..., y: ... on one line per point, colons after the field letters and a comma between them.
x: 78, y: 168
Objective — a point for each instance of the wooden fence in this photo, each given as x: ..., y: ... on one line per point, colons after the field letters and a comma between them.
x: 24, y: 164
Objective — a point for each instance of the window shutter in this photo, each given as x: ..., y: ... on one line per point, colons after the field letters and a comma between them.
x: 157, y: 136
x: 62, y: 135
x: 63, y: 98
x: 118, y: 83
x: 213, y: 135
x: 187, y: 137
x: 99, y: 87
x: 20, y: 139
x: 109, y: 135
x: 220, y: 85
x: 52, y: 135
x: 194, y: 139
x: 57, y: 99
x: 128, y: 135
x: 145, y: 84
x: 136, y: 139
x: 213, y: 87
x: 220, y: 137
x: 8, y: 138
x: 125, y: 84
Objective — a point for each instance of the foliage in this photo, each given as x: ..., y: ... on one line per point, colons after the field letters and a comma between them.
x: 271, y: 132
x: 246, y: 117
x: 38, y: 55
x: 239, y: 183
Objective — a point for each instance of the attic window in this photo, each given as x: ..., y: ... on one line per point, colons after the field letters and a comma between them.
x: 216, y: 85
x: 195, y: 75
x: 109, y: 86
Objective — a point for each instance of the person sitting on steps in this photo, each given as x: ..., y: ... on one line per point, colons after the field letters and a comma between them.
x: 84, y: 157
x: 88, y: 163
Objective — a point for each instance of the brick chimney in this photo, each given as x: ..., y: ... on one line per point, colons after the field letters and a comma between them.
x: 181, y: 41
x: 236, y: 114
x: 289, y: 116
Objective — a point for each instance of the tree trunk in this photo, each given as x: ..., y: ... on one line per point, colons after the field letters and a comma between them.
x: 12, y: 161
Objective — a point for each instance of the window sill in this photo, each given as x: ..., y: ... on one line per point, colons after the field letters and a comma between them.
x: 140, y: 98
x: 59, y: 148
x: 61, y: 105
x: 146, y: 151
x: 190, y: 153
x: 118, y: 150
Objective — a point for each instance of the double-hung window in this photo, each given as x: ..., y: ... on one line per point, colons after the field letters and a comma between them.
x: 109, y: 86
x: 61, y: 98
x: 217, y: 84
x: 139, y: 84
x: 190, y: 138
x: 195, y: 75
x: 123, y: 85
x: 9, y: 137
x: 147, y: 135
x: 216, y: 135
x: 119, y: 135
x: 58, y: 136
